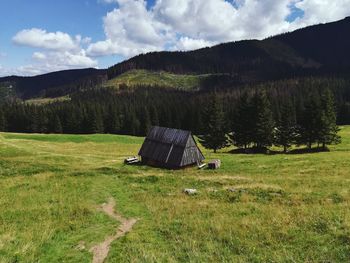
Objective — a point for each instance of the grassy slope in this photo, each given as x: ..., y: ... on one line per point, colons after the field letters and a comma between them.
x: 164, y: 79
x: 41, y: 101
x: 291, y: 208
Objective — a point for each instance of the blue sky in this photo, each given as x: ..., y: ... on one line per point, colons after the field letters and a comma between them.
x: 39, y: 36
x: 84, y: 17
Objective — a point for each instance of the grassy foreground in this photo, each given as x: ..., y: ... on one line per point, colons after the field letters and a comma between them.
x: 282, y: 208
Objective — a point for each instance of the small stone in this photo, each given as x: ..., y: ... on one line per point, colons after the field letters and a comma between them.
x: 80, y: 246
x: 190, y: 191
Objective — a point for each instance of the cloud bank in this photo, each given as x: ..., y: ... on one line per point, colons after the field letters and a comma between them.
x: 133, y: 27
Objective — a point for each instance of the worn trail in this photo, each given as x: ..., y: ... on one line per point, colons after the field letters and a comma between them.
x: 100, y: 251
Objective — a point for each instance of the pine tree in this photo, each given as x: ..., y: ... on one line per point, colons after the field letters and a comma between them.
x: 214, y: 136
x: 131, y: 122
x: 2, y: 121
x: 43, y: 122
x: 34, y: 125
x: 328, y: 133
x: 94, y: 122
x: 112, y: 122
x: 154, y: 116
x: 285, y: 131
x: 57, y: 126
x: 243, y: 123
x: 145, y: 122
x: 264, y: 122
x: 310, y: 124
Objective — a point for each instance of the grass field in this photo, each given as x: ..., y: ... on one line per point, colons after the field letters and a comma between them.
x: 283, y: 208
x: 153, y: 78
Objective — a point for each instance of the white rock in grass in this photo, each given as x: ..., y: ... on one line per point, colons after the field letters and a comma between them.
x: 190, y: 191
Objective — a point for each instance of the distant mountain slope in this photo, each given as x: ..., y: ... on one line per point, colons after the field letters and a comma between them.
x: 322, y: 49
x: 328, y: 44
x: 55, y: 83
x: 312, y: 49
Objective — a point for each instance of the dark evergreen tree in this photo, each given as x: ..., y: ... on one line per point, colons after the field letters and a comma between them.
x: 328, y: 133
x: 34, y: 125
x: 310, y: 123
x: 112, y: 121
x: 243, y: 123
x: 285, y: 131
x: 57, y: 126
x: 145, y: 122
x: 214, y: 136
x: 132, y: 123
x: 264, y: 122
x: 2, y: 121
x: 154, y: 115
x: 94, y: 122
x: 43, y: 124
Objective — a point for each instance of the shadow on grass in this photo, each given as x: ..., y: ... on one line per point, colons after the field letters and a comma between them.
x: 267, y: 151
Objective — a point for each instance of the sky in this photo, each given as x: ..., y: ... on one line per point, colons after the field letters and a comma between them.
x: 40, y: 36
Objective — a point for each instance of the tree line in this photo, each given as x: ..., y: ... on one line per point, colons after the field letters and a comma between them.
x: 253, y: 125
x: 251, y: 119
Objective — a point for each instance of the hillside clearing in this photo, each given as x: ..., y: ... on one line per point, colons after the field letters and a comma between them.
x: 42, y: 101
x: 154, y: 78
x: 256, y: 208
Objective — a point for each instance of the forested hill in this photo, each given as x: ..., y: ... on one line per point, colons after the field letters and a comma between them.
x: 53, y: 84
x: 321, y: 48
x: 174, y: 89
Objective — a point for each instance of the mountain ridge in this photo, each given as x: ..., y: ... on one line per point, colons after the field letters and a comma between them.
x: 315, y: 50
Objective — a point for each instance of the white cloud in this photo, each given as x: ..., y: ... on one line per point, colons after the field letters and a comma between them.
x: 131, y: 28
x: 58, y: 51
x: 39, y: 38
x: 107, y: 1
x: 186, y: 43
x: 322, y: 11
x: 39, y: 56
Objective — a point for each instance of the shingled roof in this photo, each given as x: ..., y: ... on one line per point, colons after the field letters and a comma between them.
x: 171, y: 148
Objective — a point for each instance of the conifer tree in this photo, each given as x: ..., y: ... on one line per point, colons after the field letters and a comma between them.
x: 57, y: 126
x: 285, y: 131
x: 112, y: 122
x: 145, y: 122
x: 94, y: 122
x: 2, y: 121
x: 154, y: 116
x: 34, y: 125
x: 243, y: 123
x: 214, y: 136
x: 131, y: 123
x: 264, y: 122
x: 328, y: 133
x: 310, y: 123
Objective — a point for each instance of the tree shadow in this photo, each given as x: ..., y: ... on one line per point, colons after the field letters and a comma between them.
x: 307, y: 150
x: 267, y: 151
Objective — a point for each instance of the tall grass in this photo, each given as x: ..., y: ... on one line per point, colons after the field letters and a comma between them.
x: 256, y: 208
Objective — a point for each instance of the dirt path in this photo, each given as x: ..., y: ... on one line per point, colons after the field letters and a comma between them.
x: 101, y: 250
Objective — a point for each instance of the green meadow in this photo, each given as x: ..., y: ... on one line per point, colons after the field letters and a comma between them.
x: 256, y: 208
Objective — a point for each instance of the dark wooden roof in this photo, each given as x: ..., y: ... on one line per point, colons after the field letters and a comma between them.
x: 170, y: 147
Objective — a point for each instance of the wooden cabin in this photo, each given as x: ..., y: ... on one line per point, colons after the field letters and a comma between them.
x: 170, y: 148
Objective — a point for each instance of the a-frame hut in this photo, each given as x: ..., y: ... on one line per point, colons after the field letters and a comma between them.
x: 170, y: 148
